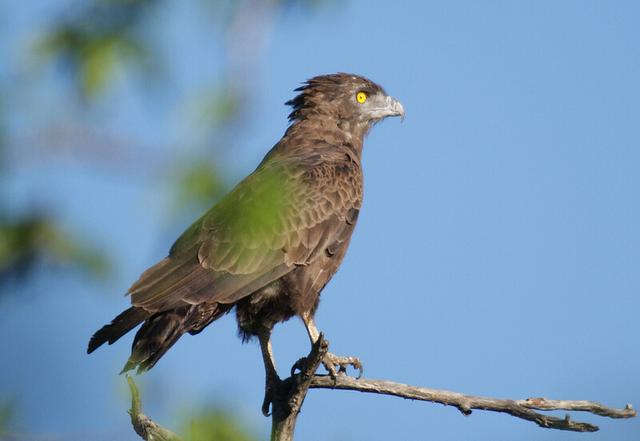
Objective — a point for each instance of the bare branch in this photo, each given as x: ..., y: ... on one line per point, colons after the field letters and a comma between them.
x: 287, y: 396
x: 466, y: 403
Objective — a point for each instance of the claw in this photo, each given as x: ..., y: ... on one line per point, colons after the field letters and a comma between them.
x: 360, y: 372
x: 331, y: 369
x: 272, y: 383
x: 330, y: 362
x: 266, y: 403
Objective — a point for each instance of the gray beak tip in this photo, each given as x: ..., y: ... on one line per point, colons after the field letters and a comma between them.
x: 396, y: 108
x: 388, y: 107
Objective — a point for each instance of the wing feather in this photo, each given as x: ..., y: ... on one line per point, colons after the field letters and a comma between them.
x: 282, y: 215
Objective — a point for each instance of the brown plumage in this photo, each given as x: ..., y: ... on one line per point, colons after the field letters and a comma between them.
x: 270, y: 246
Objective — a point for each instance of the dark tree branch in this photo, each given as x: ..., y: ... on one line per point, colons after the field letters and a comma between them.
x: 289, y: 394
x: 286, y: 398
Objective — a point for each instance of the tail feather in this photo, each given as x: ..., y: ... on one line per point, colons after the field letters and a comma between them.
x: 162, y: 330
x: 119, y: 326
x: 155, y: 338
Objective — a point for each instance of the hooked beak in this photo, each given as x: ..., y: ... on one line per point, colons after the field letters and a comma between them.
x: 390, y: 107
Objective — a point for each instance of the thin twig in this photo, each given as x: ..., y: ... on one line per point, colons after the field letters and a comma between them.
x: 142, y: 424
x: 578, y: 406
x: 466, y: 403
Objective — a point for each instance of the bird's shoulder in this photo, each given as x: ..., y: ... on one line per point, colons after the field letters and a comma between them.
x: 291, y: 192
x: 322, y: 172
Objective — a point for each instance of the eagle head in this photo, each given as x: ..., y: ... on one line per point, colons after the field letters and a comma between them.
x: 345, y: 97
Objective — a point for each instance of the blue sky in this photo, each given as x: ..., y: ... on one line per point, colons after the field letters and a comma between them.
x: 497, y: 252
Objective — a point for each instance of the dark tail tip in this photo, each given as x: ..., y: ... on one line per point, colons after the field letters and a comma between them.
x: 94, y: 343
x: 118, y: 327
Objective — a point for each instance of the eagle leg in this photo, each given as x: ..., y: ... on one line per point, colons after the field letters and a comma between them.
x: 330, y: 361
x: 272, y: 378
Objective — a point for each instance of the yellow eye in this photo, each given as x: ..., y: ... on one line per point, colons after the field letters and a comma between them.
x: 361, y: 97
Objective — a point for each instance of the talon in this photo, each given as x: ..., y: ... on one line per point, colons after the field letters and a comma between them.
x: 330, y: 362
x: 266, y: 403
x: 299, y: 365
x: 331, y: 369
x: 271, y: 386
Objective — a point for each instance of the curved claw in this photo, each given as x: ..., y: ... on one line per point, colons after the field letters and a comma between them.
x: 331, y: 369
x: 266, y: 403
x: 356, y: 365
x: 299, y: 365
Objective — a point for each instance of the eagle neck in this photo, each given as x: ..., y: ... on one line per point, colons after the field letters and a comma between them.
x: 333, y: 131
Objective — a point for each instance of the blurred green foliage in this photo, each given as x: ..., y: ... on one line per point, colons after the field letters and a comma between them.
x: 199, y: 184
x: 6, y: 416
x: 216, y: 424
x: 104, y: 35
x: 34, y: 238
x: 100, y: 37
x: 212, y: 108
x: 208, y: 424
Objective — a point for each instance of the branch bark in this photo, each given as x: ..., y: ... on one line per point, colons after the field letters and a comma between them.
x: 287, y: 396
x: 523, y: 409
